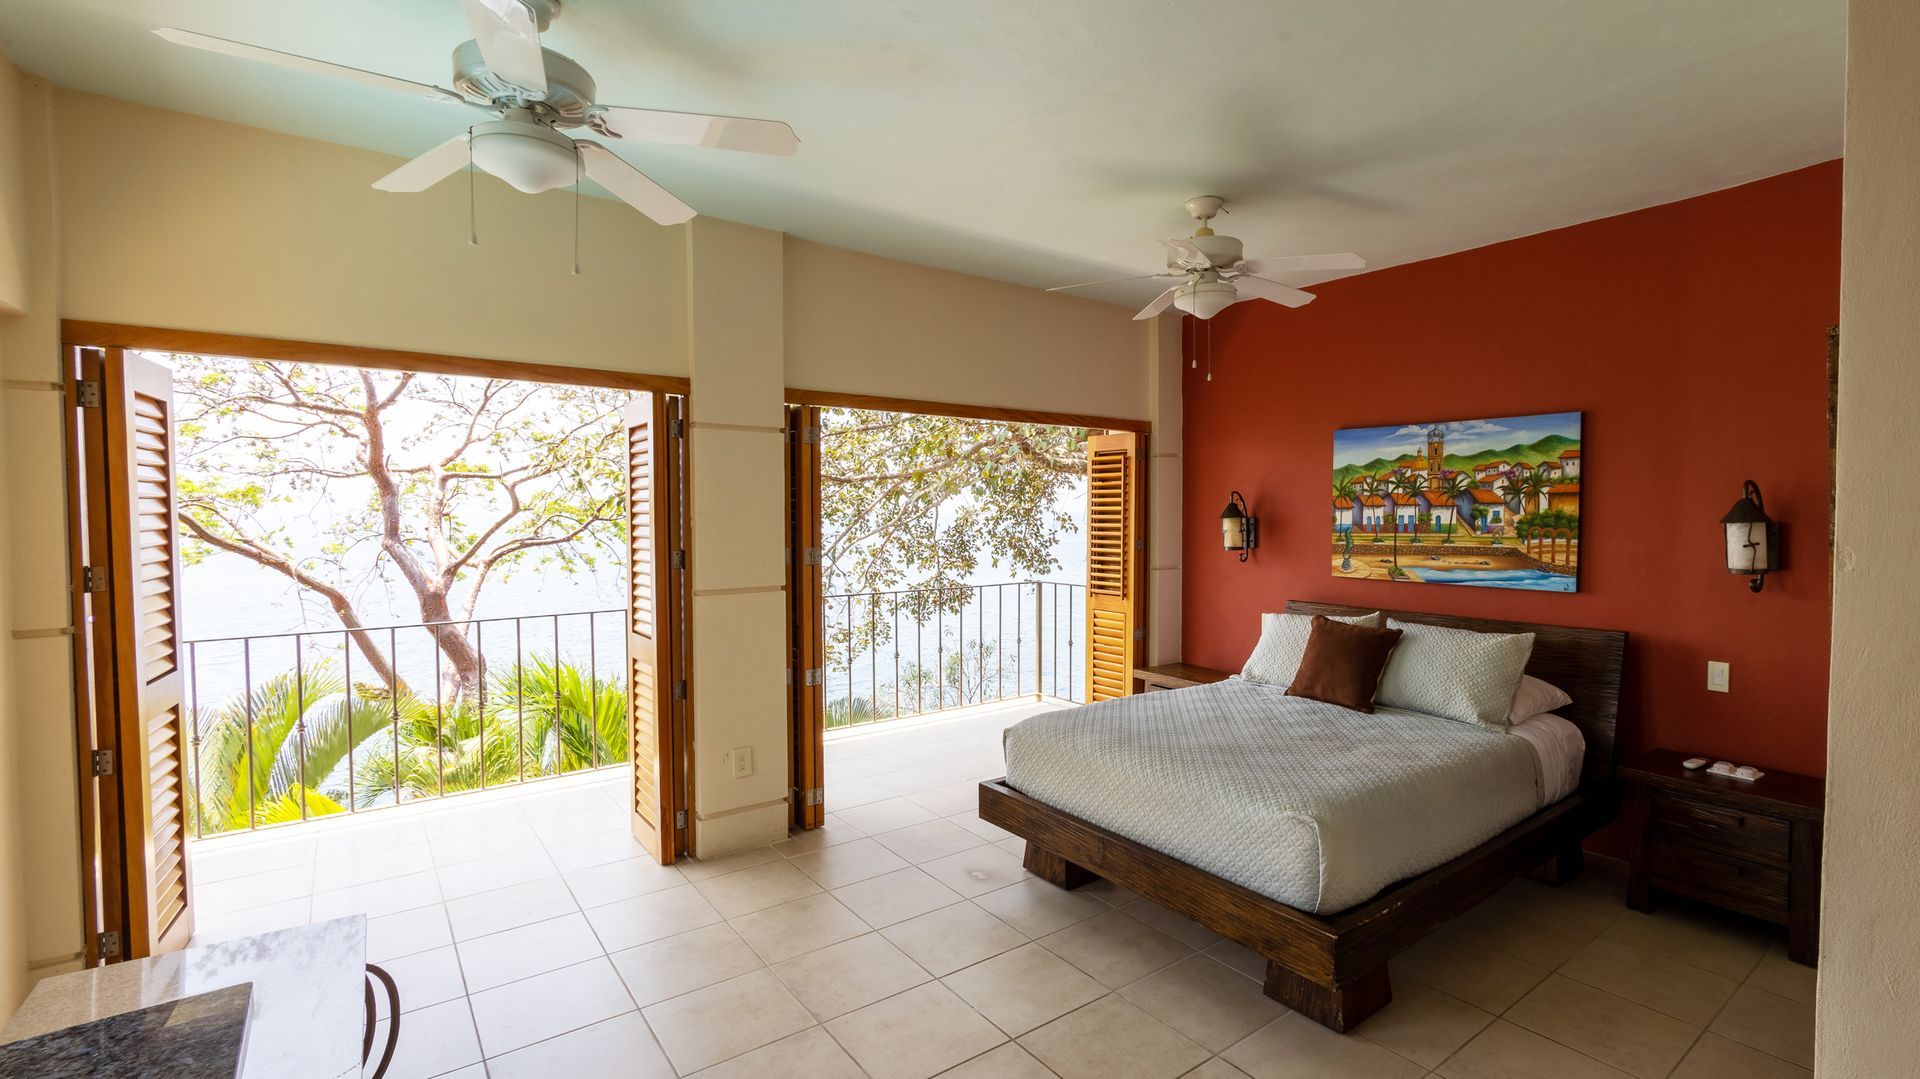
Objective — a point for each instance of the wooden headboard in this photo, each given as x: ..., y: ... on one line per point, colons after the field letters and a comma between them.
x: 1585, y: 662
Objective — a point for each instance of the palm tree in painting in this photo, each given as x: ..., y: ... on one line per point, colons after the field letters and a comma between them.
x: 1455, y: 487
x: 1407, y: 486
x: 1372, y: 487
x: 1345, y: 489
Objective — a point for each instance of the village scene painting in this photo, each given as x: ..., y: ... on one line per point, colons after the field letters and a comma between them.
x: 1482, y: 503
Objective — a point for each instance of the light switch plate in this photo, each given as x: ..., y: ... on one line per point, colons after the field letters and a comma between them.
x: 1716, y: 676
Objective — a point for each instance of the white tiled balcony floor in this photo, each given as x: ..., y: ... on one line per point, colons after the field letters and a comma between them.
x: 531, y: 937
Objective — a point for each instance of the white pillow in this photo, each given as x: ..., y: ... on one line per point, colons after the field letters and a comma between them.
x: 1283, y: 640
x: 1455, y: 673
x: 1535, y: 697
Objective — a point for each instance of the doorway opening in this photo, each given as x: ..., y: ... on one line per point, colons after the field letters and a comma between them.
x: 952, y: 575
x: 372, y: 638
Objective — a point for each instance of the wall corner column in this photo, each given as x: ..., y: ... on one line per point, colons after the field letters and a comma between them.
x: 1165, y: 493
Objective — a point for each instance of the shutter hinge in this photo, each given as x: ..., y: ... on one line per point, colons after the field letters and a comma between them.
x: 88, y: 392
x: 810, y: 435
x: 1140, y: 633
x: 92, y: 580
x: 680, y: 558
x: 813, y: 556
x: 680, y: 689
x: 679, y: 818
x: 677, y: 427
x: 816, y: 795
x: 103, y: 762
x: 108, y: 944
x: 813, y: 676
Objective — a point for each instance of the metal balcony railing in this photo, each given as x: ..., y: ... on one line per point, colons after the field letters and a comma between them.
x: 287, y: 727
x: 914, y: 651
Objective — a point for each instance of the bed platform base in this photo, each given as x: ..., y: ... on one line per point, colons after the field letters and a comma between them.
x: 1331, y: 969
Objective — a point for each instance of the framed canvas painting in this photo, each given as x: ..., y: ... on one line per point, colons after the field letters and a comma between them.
x: 1491, y: 503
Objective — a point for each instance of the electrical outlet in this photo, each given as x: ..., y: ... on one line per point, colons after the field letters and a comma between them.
x: 742, y: 762
x: 1716, y: 676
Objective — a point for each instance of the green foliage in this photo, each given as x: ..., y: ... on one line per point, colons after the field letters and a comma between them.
x: 1536, y: 453
x: 1546, y: 523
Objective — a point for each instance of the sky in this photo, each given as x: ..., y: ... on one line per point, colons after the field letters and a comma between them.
x: 1358, y: 445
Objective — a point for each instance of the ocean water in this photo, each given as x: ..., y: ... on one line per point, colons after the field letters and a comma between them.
x: 1531, y: 580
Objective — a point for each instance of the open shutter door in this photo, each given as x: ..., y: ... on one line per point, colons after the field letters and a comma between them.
x: 651, y: 616
x: 149, y: 707
x: 806, y: 639
x: 1116, y: 605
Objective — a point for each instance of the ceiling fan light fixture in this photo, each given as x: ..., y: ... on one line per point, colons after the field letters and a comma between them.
x: 1205, y: 299
x: 528, y: 155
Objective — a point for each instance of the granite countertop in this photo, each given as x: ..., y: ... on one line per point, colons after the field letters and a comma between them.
x: 309, y: 996
x: 198, y: 1037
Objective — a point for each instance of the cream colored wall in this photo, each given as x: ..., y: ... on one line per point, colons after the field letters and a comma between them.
x: 1869, y: 993
x: 137, y: 215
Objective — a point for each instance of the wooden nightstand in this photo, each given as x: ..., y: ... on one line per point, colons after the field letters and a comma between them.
x: 1749, y: 847
x: 1174, y: 676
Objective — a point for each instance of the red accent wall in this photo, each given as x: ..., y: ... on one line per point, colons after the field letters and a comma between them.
x: 1694, y: 338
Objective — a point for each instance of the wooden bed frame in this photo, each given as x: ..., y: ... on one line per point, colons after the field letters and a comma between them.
x: 1333, y: 968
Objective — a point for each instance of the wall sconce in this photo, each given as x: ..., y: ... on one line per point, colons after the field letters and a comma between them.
x: 1239, y: 530
x: 1753, y: 538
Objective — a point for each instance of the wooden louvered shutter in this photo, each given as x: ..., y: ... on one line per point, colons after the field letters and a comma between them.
x: 807, y: 642
x: 1116, y: 557
x: 149, y: 706
x: 652, y: 614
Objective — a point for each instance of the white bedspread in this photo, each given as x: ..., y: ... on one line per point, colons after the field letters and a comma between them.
x: 1312, y: 804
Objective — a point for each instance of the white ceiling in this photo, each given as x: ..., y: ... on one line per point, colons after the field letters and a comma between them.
x: 1051, y: 141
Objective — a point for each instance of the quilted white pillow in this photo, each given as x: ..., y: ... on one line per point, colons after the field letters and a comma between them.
x: 1455, y: 673
x: 1283, y: 640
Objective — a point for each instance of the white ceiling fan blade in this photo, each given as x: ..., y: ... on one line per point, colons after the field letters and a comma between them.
x: 1295, y: 263
x: 307, y: 64
x: 429, y: 168
x: 630, y: 185
x: 1114, y: 281
x: 695, y: 129
x: 1272, y: 290
x: 1160, y: 303
x: 509, y: 40
x: 1189, y: 253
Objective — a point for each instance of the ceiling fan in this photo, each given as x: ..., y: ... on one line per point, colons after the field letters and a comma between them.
x: 1214, y: 275
x: 534, y: 93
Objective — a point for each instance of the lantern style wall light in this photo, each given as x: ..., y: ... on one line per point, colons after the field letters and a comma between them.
x: 1239, y: 530
x: 1753, y: 538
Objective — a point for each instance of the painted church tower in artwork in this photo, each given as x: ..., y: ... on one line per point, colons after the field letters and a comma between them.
x: 1436, y: 455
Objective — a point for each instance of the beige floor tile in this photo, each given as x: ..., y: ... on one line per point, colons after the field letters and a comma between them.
x: 1173, y: 924
x: 430, y: 977
x: 534, y: 1009
x: 1108, y: 892
x: 495, y: 871
x: 1424, y: 1025
x: 1295, y: 1046
x: 1116, y: 948
x: 702, y: 868
x: 1687, y: 993
x: 622, y: 1046
x: 928, y: 840
x: 976, y: 872
x: 1714, y: 1057
x: 1024, y: 988
x: 1580, y: 909
x: 1505, y: 1051
x: 1014, y: 846
x: 1462, y: 967
x: 1113, y: 1039
x: 1782, y: 976
x: 1694, y: 938
x: 831, y: 834
x: 721, y: 1021
x: 811, y: 1053
x: 835, y: 980
x: 1629, y: 1036
x: 895, y: 897
x: 951, y: 798
x: 970, y: 820
x: 610, y: 882
x: 680, y: 964
x: 799, y: 927
x: 1535, y: 936
x: 1215, y: 1069
x: 633, y: 922
x: 952, y: 937
x: 846, y: 863
x: 522, y: 904
x: 1037, y: 908
x: 394, y: 935
x: 756, y: 888
x: 522, y: 952
x: 886, y: 816
x: 914, y: 1034
x: 1205, y: 1001
x: 1007, y: 1062
x: 434, y: 1040
x: 1770, y: 1023
x: 600, y: 848
x: 1240, y: 958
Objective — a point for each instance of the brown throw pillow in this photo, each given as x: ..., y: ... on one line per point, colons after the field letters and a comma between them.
x: 1343, y: 663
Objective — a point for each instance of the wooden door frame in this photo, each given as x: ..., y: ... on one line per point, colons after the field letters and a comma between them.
x: 100, y: 808
x: 836, y: 399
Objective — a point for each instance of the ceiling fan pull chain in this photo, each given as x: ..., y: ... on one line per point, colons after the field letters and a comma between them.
x: 576, y: 213
x: 1208, y: 323
x: 473, y: 231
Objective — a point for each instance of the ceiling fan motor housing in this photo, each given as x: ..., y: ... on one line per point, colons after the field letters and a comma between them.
x: 1206, y: 296
x: 570, y: 90
x: 526, y: 153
